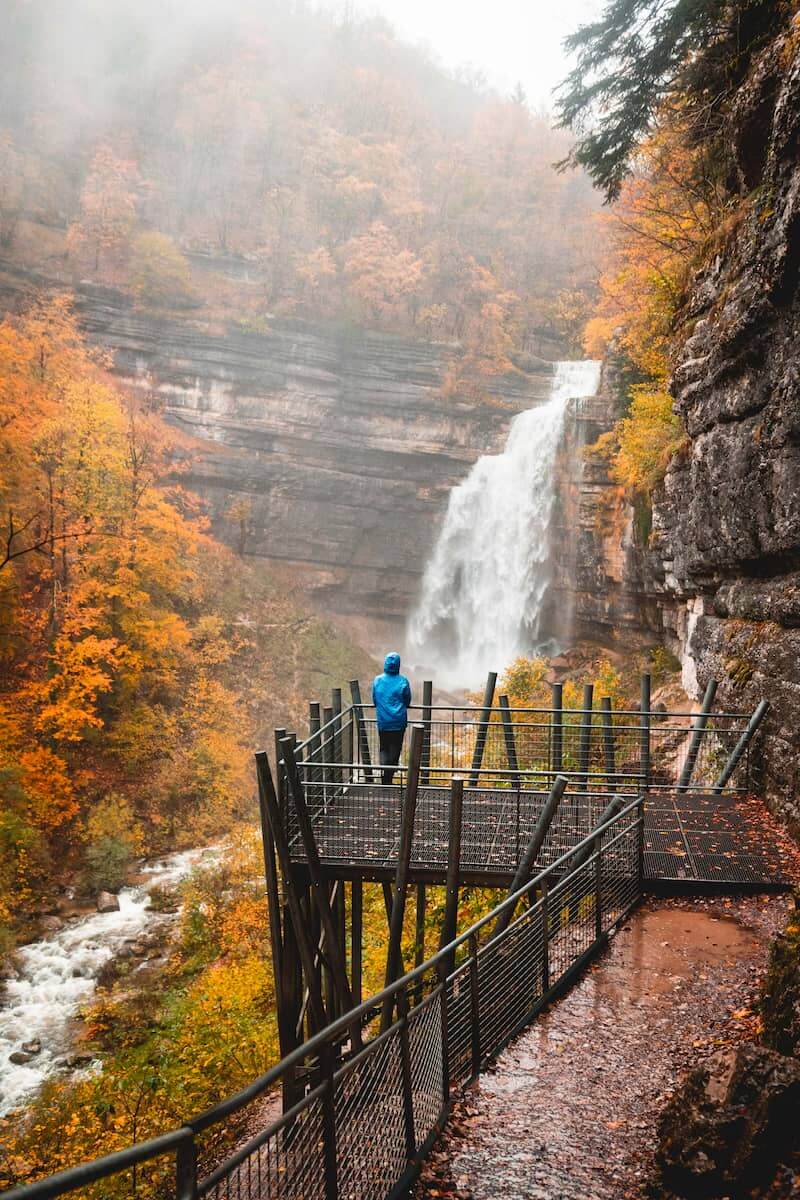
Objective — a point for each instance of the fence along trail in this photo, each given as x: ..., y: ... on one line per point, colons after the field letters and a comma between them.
x: 360, y: 1113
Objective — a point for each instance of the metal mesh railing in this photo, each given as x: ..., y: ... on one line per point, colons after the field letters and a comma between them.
x: 367, y: 1116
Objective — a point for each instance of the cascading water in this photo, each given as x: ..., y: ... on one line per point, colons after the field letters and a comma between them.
x: 483, y: 588
x: 56, y: 976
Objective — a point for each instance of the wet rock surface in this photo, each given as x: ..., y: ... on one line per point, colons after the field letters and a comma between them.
x: 339, y: 439
x: 571, y: 1109
x: 730, y: 1124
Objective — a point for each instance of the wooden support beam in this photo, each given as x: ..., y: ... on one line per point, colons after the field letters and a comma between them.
x: 609, y: 752
x: 698, y: 728
x: 301, y: 940
x: 393, y: 956
x: 741, y: 746
x: 449, y: 924
x: 526, y: 864
x: 364, y: 756
x: 334, y: 949
x: 557, y: 728
x: 356, y: 937
x: 508, y: 735
x: 419, y: 925
x: 483, y: 728
x: 427, y: 712
x: 585, y: 750
x: 274, y: 910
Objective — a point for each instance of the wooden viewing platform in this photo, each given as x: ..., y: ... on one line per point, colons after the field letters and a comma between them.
x: 574, y: 813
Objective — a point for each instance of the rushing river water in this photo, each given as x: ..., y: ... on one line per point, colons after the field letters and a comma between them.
x: 484, y: 585
x: 55, y: 976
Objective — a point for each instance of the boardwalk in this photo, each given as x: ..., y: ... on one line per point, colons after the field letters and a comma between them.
x: 691, y: 838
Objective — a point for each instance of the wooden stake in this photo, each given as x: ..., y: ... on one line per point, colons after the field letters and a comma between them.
x: 393, y: 957
x: 334, y: 949
x: 450, y: 921
x: 483, y: 728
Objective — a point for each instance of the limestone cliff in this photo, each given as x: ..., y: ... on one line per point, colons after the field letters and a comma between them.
x: 726, y: 526
x: 340, y: 441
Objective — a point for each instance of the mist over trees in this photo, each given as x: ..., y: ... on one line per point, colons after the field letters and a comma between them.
x: 292, y: 163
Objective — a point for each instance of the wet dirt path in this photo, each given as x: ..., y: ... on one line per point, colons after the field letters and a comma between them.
x: 569, y: 1111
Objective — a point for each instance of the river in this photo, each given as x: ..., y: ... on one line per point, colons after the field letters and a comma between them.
x: 57, y: 975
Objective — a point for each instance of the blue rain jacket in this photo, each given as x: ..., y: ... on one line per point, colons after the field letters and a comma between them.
x: 391, y: 695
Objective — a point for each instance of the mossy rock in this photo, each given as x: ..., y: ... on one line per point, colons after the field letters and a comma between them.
x: 780, y: 995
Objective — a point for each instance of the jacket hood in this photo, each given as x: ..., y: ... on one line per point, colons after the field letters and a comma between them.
x: 391, y: 664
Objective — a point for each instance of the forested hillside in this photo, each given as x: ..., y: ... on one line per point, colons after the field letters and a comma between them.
x: 264, y: 159
x: 139, y: 659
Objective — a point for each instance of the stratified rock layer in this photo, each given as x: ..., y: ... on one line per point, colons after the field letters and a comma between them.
x: 341, y: 442
x: 726, y: 527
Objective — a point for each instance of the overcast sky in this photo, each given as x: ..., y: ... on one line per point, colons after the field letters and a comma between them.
x: 509, y: 40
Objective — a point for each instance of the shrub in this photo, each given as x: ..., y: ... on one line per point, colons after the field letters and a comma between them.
x: 159, y: 272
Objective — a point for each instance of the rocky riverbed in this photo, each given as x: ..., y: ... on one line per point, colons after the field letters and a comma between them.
x: 52, y: 978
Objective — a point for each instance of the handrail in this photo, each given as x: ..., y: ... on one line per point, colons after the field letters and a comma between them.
x: 618, y: 712
x: 182, y: 1139
x: 341, y: 1024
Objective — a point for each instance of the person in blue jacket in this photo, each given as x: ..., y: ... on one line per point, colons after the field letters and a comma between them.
x: 391, y: 695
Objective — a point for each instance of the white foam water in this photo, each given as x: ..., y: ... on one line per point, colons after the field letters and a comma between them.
x: 483, y: 587
x: 55, y: 976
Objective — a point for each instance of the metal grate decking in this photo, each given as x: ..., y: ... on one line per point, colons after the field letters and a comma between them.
x: 707, y: 839
x: 690, y: 838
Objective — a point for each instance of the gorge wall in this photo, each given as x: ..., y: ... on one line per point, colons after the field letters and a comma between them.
x: 726, y: 526
x: 339, y: 441
x: 714, y: 570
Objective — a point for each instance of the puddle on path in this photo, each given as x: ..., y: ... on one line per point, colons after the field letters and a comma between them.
x: 570, y: 1109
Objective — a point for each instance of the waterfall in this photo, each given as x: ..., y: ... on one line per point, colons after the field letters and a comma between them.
x: 484, y: 584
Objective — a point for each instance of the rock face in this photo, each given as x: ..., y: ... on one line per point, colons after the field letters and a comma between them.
x: 726, y: 528
x: 732, y: 1127
x: 604, y: 586
x: 340, y: 442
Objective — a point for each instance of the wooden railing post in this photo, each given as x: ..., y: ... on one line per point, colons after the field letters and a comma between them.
x: 644, y: 736
x: 427, y: 712
x: 405, y: 1075
x: 483, y: 728
x: 545, y: 937
x: 453, y: 867
x: 698, y: 729
x: 609, y: 753
x: 336, y: 711
x: 508, y: 734
x: 557, y: 728
x: 329, y: 1152
x: 585, y: 751
x: 186, y: 1170
x: 740, y: 747
x: 475, y: 1005
x: 361, y: 728
x: 598, y: 888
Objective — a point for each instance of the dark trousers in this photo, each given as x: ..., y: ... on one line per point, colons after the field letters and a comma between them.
x: 391, y: 744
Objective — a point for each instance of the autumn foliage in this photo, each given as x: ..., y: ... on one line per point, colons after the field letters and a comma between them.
x: 114, y: 707
x: 338, y: 173
x: 667, y: 213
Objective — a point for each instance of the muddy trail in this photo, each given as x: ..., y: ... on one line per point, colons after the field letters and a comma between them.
x: 569, y: 1111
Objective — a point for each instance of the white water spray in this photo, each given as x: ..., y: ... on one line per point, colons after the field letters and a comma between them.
x: 56, y: 976
x: 483, y: 588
